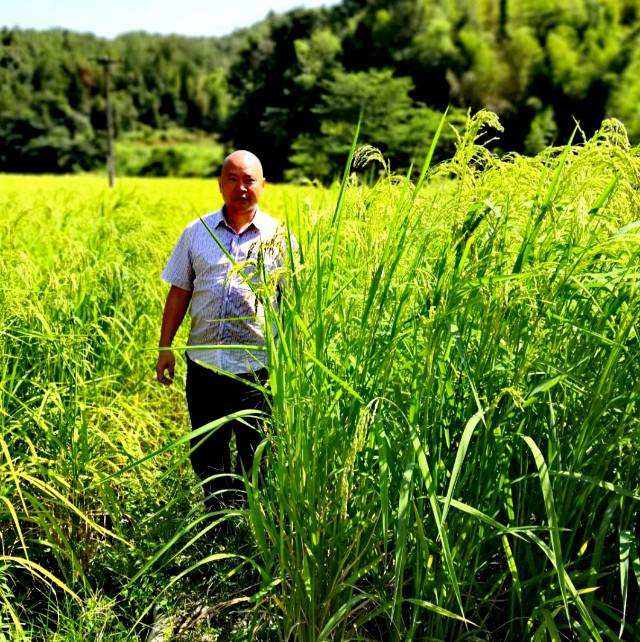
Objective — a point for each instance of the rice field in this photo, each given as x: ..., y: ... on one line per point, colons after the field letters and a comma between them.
x: 453, y: 446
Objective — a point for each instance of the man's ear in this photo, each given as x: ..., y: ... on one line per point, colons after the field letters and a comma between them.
x: 220, y: 183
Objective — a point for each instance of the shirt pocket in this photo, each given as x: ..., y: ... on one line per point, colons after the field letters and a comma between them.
x: 210, y: 266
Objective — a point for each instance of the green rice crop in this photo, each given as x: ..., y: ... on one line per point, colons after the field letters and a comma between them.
x: 452, y: 452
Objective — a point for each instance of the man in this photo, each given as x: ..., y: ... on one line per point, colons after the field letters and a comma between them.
x: 224, y: 310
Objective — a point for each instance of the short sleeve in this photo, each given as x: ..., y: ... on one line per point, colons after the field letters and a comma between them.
x: 179, y: 269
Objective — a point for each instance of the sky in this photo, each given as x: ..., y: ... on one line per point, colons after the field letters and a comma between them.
x: 111, y: 17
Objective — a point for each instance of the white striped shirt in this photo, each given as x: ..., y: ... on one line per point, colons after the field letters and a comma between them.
x: 224, y: 309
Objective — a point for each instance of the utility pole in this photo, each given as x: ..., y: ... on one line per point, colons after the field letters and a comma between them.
x: 107, y: 64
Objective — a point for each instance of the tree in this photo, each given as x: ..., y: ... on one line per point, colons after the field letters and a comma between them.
x: 624, y: 102
x: 270, y: 104
x: 391, y: 121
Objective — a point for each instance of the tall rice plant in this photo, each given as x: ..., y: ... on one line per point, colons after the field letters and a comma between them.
x: 453, y: 445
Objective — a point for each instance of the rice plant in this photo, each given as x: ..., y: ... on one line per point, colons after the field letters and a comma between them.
x: 452, y: 448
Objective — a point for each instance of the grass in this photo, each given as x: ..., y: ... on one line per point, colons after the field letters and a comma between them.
x: 453, y: 448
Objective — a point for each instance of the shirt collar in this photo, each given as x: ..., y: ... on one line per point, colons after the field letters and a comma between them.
x: 258, y: 220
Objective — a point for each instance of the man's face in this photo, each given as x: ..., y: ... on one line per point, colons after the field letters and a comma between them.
x: 241, y: 183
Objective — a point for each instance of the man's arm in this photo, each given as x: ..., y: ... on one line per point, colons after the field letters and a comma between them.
x: 175, y: 308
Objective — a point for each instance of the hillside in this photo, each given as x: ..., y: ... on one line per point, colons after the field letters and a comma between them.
x: 291, y: 87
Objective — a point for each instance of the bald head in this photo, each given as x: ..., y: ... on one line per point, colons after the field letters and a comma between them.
x: 241, y: 182
x: 242, y: 159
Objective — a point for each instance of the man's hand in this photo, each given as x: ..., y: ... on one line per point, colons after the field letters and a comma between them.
x: 166, y: 363
x: 175, y: 308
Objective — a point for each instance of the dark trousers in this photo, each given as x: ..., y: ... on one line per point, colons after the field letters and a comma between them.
x: 211, y: 396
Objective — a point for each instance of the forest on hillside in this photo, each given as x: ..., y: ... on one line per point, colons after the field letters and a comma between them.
x: 291, y: 87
